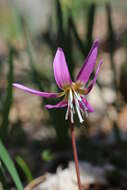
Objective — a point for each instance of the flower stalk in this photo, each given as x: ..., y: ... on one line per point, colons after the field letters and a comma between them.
x: 75, y: 154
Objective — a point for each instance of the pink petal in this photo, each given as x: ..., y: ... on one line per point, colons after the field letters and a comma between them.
x: 88, y: 106
x: 61, y: 73
x: 89, y: 64
x: 61, y: 104
x: 95, y: 77
x: 36, y: 92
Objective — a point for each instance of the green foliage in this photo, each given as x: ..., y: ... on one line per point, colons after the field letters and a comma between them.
x: 3, y: 178
x: 111, y: 33
x: 8, y: 98
x: 111, y: 44
x: 59, y: 19
x: 24, y: 167
x: 90, y: 24
x: 67, y: 35
x: 80, y: 43
x: 8, y: 163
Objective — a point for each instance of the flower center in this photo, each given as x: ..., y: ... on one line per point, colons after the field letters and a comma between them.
x: 74, y: 94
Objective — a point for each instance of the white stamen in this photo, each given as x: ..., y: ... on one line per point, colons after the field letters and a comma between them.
x: 67, y: 114
x: 73, y: 109
x: 83, y: 104
x: 70, y: 109
x: 70, y: 97
x: 78, y: 110
x: 74, y: 95
x: 77, y: 96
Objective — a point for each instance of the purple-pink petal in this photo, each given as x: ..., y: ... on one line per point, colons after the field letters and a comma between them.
x: 90, y: 86
x: 89, y: 64
x: 61, y: 72
x: 35, y: 92
x: 61, y: 104
x: 88, y: 106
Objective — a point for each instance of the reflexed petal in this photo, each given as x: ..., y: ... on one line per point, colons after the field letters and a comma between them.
x: 36, y: 92
x: 89, y: 107
x: 95, y: 77
x: 61, y: 104
x: 61, y: 72
x: 89, y: 64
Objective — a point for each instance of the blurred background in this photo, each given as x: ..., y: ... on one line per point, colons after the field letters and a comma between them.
x: 37, y: 139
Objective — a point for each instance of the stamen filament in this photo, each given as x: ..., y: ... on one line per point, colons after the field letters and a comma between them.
x: 67, y: 113
x: 73, y: 96
x: 70, y: 109
x: 78, y: 109
x: 78, y: 96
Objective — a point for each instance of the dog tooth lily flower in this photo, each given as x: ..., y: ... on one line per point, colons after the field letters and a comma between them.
x: 73, y: 93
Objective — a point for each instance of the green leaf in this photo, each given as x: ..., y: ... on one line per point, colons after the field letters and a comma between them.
x: 60, y: 29
x: 112, y: 44
x: 8, y: 98
x: 79, y: 42
x: 3, y: 178
x: 24, y: 167
x: 68, y: 48
x: 111, y: 32
x: 5, y: 158
x: 90, y: 24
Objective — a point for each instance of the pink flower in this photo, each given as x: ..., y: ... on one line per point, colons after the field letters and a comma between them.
x: 73, y: 93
